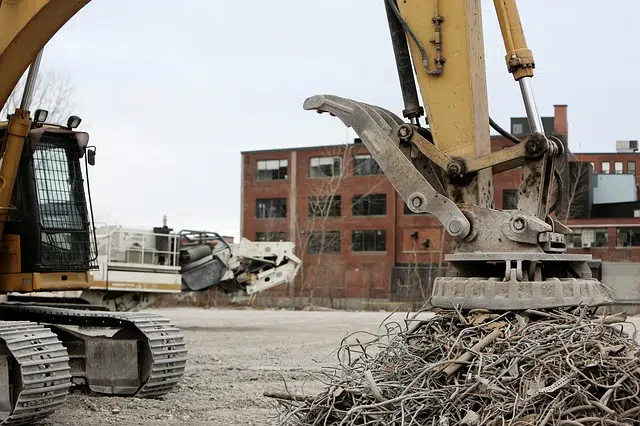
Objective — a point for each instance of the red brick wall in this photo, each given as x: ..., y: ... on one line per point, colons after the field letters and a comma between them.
x: 612, y: 252
x: 367, y: 275
x: 612, y: 157
x: 347, y: 274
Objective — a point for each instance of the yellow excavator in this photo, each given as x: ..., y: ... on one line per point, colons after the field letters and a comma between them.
x: 442, y: 164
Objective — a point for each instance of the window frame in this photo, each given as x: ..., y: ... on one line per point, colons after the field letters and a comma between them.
x: 605, y: 170
x: 278, y: 169
x: 270, y: 206
x: 615, y: 167
x: 365, y: 200
x: 334, y: 206
x: 376, y: 244
x: 632, y: 238
x: 577, y: 237
x: 629, y: 163
x: 517, y: 128
x: 336, y: 162
x: 510, y: 191
x: 372, y: 167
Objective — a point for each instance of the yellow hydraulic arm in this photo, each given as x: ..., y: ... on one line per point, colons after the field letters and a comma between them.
x: 25, y: 28
x: 502, y: 259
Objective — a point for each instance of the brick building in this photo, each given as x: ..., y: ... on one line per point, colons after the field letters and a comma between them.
x: 356, y: 237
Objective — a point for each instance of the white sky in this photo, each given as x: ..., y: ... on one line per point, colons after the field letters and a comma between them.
x: 172, y: 92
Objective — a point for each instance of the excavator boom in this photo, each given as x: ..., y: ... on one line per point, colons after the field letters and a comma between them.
x: 26, y: 27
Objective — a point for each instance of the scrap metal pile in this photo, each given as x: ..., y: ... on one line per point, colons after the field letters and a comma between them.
x: 531, y: 367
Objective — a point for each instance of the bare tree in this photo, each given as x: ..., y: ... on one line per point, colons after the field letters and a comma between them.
x: 575, y: 188
x: 53, y: 91
x: 315, y: 234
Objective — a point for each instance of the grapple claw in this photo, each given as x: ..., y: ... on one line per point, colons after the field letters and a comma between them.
x: 378, y: 130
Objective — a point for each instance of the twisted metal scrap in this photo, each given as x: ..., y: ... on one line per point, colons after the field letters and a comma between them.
x: 527, y: 368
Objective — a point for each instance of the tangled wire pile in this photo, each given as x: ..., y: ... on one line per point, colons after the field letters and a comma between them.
x: 528, y: 368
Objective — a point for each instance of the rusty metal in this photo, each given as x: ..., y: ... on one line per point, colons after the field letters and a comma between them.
x: 500, y: 161
x: 507, y: 158
x: 525, y: 236
x: 378, y: 130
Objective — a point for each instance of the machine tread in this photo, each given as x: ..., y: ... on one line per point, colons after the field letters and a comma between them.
x: 45, y: 374
x: 164, y: 340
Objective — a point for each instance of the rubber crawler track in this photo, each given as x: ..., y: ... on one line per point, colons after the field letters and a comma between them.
x: 164, y: 340
x: 44, y: 370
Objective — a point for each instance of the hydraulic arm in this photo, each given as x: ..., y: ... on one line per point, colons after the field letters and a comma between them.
x: 502, y: 259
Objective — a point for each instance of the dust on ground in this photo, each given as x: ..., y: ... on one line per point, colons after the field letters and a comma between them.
x: 234, y: 356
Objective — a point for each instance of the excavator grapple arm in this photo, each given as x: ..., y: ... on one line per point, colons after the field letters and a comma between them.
x: 510, y: 259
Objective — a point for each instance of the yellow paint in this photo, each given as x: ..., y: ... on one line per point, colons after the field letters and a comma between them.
x: 519, y: 58
x: 34, y: 282
x: 25, y: 27
x: 455, y: 101
x: 12, y: 143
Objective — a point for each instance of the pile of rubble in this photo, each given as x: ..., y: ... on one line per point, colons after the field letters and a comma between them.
x: 479, y: 368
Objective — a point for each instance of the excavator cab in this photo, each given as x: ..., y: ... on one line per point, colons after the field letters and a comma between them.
x: 49, y: 245
x: 47, y: 236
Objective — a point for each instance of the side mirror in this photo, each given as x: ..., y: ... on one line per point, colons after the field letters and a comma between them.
x: 91, y: 156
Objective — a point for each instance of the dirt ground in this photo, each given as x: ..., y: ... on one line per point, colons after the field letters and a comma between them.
x: 234, y: 356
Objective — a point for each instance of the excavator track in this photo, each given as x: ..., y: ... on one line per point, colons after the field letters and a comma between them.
x: 39, y: 375
x: 161, y: 346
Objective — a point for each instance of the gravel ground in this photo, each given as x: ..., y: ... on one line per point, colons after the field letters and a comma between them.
x: 234, y: 356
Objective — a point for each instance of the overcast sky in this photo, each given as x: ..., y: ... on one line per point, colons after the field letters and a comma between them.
x: 173, y: 92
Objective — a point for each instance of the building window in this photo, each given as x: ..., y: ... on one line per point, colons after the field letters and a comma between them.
x: 323, y: 242
x: 369, y: 240
x: 618, y: 167
x: 628, y: 237
x: 631, y: 167
x: 606, y: 167
x: 324, y: 206
x: 407, y: 211
x: 268, y: 208
x: 509, y: 199
x: 588, y: 238
x: 365, y: 164
x: 593, y: 166
x: 272, y: 169
x: 517, y: 129
x: 270, y: 236
x: 320, y: 167
x: 369, y: 205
